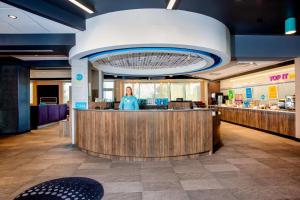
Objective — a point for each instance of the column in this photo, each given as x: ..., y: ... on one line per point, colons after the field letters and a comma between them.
x: 80, y: 89
x: 297, y: 93
x: 101, y: 79
x: 95, y: 84
x: 14, y: 97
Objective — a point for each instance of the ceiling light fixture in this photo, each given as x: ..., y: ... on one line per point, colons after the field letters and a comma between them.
x: 12, y: 16
x: 171, y: 4
x: 290, y: 26
x: 24, y: 50
x: 189, y: 57
x: 83, y: 7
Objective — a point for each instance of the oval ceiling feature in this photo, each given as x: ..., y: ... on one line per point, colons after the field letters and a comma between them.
x: 153, y: 42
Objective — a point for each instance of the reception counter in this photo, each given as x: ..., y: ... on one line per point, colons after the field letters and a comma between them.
x: 145, y: 134
x: 275, y: 121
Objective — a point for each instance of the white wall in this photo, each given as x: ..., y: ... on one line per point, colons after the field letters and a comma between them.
x: 66, y: 73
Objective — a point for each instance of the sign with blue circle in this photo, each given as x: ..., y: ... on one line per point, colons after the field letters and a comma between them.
x: 81, y: 105
x: 79, y: 77
x: 248, y: 93
x: 263, y: 97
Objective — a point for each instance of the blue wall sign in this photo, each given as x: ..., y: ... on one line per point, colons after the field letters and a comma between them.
x: 249, y: 93
x: 79, y: 77
x: 81, y: 105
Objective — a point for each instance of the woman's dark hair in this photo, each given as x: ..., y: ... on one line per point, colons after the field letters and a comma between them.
x: 130, y: 91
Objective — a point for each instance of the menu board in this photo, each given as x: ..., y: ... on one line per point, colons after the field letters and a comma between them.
x: 273, y: 92
x: 230, y: 94
x: 249, y: 93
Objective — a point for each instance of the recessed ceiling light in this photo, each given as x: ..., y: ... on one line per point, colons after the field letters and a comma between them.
x: 189, y: 57
x: 12, y: 16
x: 83, y: 7
x: 171, y: 4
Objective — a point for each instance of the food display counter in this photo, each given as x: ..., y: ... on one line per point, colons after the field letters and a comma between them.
x: 276, y: 121
x: 146, y: 134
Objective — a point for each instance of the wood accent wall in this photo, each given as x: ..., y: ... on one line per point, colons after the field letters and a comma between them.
x: 100, y: 105
x: 144, y: 134
x: 275, y: 121
x: 180, y: 105
x: 212, y: 87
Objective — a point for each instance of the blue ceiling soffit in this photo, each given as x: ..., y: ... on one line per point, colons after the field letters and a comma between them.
x: 50, y: 11
x: 263, y: 47
x: 48, y: 64
x: 57, y: 43
x: 37, y: 39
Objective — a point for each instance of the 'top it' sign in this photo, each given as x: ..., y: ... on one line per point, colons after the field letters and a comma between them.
x: 284, y: 76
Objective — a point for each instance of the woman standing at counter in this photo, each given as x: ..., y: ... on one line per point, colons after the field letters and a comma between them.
x: 129, y: 102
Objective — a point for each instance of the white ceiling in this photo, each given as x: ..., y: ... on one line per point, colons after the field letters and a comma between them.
x: 234, y: 68
x: 28, y: 22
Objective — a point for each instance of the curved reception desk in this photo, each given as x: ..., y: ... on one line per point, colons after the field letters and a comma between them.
x: 144, y: 134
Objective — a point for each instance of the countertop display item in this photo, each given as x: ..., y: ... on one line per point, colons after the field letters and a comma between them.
x: 290, y: 102
x: 281, y: 103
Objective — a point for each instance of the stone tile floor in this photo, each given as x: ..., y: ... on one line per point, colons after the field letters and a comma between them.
x: 250, y: 165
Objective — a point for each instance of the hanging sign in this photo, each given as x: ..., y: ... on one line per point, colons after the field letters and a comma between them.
x: 272, y: 92
x: 249, y: 93
x: 230, y: 94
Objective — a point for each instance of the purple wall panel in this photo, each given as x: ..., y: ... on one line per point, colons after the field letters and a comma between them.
x: 43, y: 115
x: 53, y: 113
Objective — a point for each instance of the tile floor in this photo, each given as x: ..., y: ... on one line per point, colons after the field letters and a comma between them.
x: 250, y: 165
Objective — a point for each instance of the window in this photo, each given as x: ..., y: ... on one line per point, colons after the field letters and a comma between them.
x: 108, y: 90
x: 146, y: 91
x: 162, y: 90
x: 108, y: 95
x: 108, y: 84
x: 66, y: 88
x: 31, y: 92
x: 171, y: 90
x: 192, y: 91
x: 177, y: 91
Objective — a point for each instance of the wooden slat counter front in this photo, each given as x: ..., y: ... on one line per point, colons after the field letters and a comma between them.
x: 281, y: 122
x: 144, y: 134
